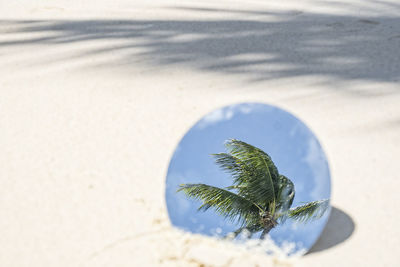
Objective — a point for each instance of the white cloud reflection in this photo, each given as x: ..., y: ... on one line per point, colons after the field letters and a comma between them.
x: 225, y: 114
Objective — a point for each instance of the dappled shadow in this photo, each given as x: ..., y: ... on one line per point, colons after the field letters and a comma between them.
x: 339, y: 228
x: 264, y: 45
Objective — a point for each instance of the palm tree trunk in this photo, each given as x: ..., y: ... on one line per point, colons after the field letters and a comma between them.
x: 252, y: 229
x: 266, y: 231
x: 268, y: 223
x: 236, y: 233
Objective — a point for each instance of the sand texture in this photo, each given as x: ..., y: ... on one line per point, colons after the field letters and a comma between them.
x: 95, y: 95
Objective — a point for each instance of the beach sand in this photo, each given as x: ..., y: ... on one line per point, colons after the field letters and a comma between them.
x: 95, y: 95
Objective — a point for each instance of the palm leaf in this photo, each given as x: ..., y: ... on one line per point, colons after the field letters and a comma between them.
x: 285, y: 194
x: 262, y: 176
x: 310, y: 211
x: 232, y: 165
x: 224, y: 202
x: 248, y: 182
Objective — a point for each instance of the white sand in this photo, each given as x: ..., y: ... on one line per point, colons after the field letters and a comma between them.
x: 91, y: 111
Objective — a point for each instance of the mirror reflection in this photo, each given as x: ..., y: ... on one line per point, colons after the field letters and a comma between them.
x: 250, y: 171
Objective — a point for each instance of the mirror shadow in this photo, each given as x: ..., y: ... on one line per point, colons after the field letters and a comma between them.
x: 339, y: 228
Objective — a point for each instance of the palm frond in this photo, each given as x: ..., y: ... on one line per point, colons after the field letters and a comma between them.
x: 228, y: 162
x: 285, y: 195
x: 249, y: 182
x: 310, y: 211
x: 232, y: 165
x: 262, y: 175
x: 264, y: 233
x: 224, y: 202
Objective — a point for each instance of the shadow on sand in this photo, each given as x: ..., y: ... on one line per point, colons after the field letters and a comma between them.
x: 265, y: 45
x: 339, y: 228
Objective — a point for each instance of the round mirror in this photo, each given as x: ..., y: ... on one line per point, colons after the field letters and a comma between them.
x: 250, y: 172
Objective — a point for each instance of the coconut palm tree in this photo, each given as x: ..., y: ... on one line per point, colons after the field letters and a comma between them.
x: 259, y: 199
